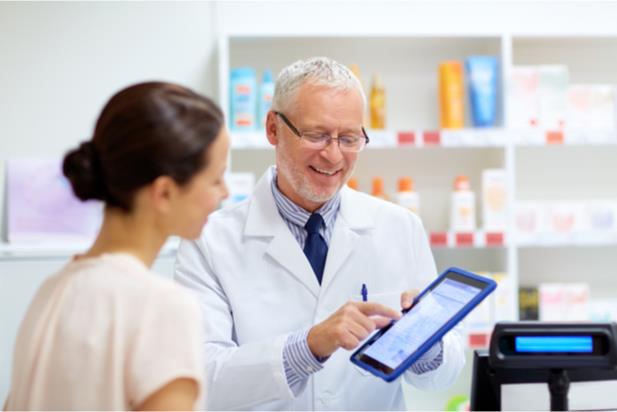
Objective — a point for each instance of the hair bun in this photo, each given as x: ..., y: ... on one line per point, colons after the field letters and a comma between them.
x: 82, y: 168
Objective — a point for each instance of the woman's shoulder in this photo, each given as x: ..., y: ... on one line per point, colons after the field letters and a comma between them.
x: 122, y: 280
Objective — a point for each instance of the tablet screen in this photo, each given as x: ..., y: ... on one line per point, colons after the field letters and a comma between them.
x: 433, y: 310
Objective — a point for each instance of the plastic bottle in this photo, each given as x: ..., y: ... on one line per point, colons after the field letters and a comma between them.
x: 243, y: 99
x: 355, y: 69
x: 482, y: 80
x: 353, y: 183
x: 377, y: 104
x: 406, y: 196
x: 451, y: 95
x: 463, y: 206
x: 266, y: 91
x: 377, y: 189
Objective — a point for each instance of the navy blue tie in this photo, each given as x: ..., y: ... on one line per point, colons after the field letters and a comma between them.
x: 315, y: 247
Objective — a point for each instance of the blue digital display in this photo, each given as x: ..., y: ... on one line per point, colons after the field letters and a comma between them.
x: 532, y: 344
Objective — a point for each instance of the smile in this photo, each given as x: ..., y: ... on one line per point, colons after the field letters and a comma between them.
x: 325, y: 172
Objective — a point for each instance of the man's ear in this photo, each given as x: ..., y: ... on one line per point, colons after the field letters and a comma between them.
x: 162, y: 192
x: 271, y: 128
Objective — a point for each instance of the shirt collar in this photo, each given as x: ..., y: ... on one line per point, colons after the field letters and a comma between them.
x: 298, y: 215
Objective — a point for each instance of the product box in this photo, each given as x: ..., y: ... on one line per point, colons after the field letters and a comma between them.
x: 566, y: 221
x: 592, y: 108
x: 242, y: 99
x: 552, y: 302
x: 602, y: 216
x: 563, y: 220
x: 494, y: 200
x: 528, y: 302
x: 240, y: 186
x: 603, y: 310
x: 528, y: 224
x: 504, y: 306
x: 523, y: 97
x: 564, y: 302
x: 596, y: 221
x: 553, y: 93
x: 576, y: 301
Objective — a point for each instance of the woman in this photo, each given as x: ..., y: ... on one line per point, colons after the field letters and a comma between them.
x: 104, y: 332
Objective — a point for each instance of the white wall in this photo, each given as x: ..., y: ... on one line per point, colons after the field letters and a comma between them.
x: 60, y: 62
x: 396, y: 17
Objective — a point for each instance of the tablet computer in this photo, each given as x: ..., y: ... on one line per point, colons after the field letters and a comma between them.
x: 394, y: 348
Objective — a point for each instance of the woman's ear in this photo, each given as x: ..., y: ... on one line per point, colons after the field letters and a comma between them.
x: 271, y: 128
x: 162, y: 193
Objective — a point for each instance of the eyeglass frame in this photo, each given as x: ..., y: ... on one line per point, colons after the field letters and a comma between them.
x: 295, y: 131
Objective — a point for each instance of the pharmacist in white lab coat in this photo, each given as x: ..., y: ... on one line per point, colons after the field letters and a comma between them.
x: 279, y: 277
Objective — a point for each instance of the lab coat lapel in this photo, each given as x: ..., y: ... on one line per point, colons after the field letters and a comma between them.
x: 264, y: 220
x: 353, y: 220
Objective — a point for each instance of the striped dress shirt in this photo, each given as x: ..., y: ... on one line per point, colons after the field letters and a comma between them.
x: 298, y: 360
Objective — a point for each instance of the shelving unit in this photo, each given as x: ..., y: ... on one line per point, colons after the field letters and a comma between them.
x: 540, y: 164
x: 583, y: 168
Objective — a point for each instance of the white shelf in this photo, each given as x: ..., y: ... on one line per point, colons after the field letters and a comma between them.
x: 566, y: 137
x: 250, y: 140
x: 460, y: 138
x: 478, y: 239
x: 549, y: 240
x: 390, y: 139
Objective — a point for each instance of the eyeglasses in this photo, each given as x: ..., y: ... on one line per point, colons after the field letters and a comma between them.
x: 319, y: 140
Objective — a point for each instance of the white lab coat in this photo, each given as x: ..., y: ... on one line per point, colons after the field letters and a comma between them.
x: 255, y: 286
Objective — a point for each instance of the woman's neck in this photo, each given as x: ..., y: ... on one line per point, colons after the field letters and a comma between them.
x: 132, y: 233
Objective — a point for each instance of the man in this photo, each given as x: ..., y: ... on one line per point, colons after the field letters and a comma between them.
x: 279, y: 276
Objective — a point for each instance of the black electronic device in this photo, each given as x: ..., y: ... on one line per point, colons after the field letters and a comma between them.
x: 536, y: 352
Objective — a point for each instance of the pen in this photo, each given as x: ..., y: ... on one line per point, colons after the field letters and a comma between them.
x: 364, y: 292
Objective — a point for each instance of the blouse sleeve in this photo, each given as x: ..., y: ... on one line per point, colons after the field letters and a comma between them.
x: 166, y: 346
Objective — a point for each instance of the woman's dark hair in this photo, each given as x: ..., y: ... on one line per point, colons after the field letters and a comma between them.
x: 144, y: 131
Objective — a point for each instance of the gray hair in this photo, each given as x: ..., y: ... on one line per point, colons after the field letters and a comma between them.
x: 321, y: 71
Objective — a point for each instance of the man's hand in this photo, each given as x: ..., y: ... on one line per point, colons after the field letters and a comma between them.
x: 348, y: 326
x: 407, y: 298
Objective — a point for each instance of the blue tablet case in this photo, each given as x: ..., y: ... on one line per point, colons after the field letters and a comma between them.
x: 490, y: 287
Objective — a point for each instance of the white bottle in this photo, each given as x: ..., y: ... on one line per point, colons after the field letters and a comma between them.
x: 406, y: 196
x: 463, y: 206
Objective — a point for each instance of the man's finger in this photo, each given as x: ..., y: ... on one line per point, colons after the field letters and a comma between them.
x: 381, y: 321
x: 374, y: 308
x: 407, y: 298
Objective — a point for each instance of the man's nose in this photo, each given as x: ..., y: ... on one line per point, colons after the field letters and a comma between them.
x: 332, y: 151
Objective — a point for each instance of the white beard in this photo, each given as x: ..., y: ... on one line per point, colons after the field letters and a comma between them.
x: 298, y: 180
